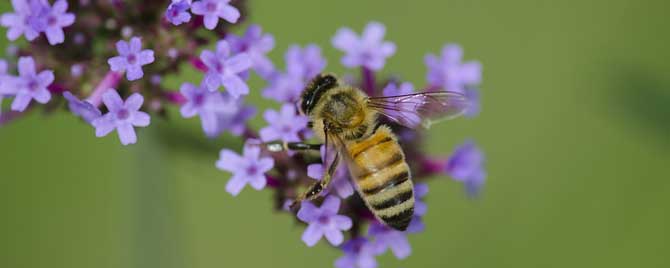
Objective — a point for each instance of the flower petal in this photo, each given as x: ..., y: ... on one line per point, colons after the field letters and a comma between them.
x: 229, y: 13
x: 112, y: 100
x: 308, y: 212
x: 228, y: 161
x: 141, y: 119
x: 335, y: 237
x: 312, y: 234
x: 235, y: 85
x: 126, y: 134
x: 345, y: 39
x: 103, y: 125
x: 239, y: 63
x: 331, y: 205
x: 21, y: 102
x: 26, y: 66
x: 134, y: 102
x: 235, y: 184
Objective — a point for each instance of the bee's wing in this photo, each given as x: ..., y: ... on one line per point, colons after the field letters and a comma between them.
x: 424, y: 108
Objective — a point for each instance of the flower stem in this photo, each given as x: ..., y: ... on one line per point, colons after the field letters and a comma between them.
x: 369, y: 81
x: 110, y: 80
x: 198, y: 64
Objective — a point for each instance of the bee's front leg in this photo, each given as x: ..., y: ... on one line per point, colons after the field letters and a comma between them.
x: 317, y: 187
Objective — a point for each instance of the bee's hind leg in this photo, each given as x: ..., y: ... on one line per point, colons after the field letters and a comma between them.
x: 317, y: 187
x: 279, y: 146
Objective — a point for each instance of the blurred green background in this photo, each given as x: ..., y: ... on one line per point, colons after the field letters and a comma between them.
x: 575, y: 125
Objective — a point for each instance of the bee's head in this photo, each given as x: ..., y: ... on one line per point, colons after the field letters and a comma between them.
x: 314, y: 90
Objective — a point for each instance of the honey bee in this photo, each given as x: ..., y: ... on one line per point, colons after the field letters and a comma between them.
x: 345, y: 118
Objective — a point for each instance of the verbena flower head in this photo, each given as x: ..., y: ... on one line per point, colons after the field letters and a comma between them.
x: 83, y: 109
x: 30, y: 85
x: 449, y: 72
x: 224, y: 69
x: 340, y: 182
x: 466, y: 165
x: 385, y: 238
x: 123, y: 116
x: 369, y: 50
x: 256, y: 45
x: 248, y: 168
x: 323, y: 221
x: 177, y: 12
x: 18, y: 22
x: 358, y: 253
x: 131, y: 58
x: 212, y: 10
x: 51, y: 20
x: 284, y: 125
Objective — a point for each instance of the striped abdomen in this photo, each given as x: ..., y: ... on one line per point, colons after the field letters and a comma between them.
x: 378, y: 168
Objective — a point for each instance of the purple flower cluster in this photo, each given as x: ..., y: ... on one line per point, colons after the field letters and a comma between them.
x: 32, y: 17
x: 90, y: 84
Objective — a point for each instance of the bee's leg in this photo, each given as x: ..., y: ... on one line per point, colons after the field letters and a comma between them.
x: 278, y: 146
x: 315, y: 189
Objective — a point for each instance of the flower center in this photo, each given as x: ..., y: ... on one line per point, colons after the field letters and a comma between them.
x: 218, y: 67
x: 131, y: 59
x: 51, y: 21
x: 252, y: 170
x: 286, y: 129
x: 33, y: 85
x: 199, y: 99
x: 122, y: 114
x: 210, y: 6
x: 323, y: 219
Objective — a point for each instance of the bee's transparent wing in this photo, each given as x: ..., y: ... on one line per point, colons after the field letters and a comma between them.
x: 420, y: 109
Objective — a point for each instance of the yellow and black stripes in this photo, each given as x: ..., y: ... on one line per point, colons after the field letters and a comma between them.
x: 383, y: 177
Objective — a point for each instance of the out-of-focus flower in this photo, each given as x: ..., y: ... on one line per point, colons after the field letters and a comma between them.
x: 449, y: 72
x: 255, y: 44
x: 420, y: 209
x: 358, y: 253
x: 5, y: 78
x: 30, y: 85
x: 212, y: 10
x: 340, y: 181
x: 80, y: 108
x: 19, y: 21
x: 77, y: 70
x: 131, y: 58
x: 392, y: 89
x: 369, y: 50
x: 224, y: 69
x: 466, y: 165
x: 283, y: 125
x: 248, y: 168
x: 122, y: 116
x: 385, y: 238
x: 322, y: 221
x: 474, y: 107
x: 302, y: 64
x: 235, y: 122
x: 177, y: 12
x: 52, y: 19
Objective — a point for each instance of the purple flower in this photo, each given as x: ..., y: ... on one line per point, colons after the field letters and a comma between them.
x: 131, y: 58
x: 392, y: 89
x: 450, y: 73
x: 52, y: 19
x: 235, y: 123
x: 177, y: 12
x: 217, y: 110
x: 283, y: 125
x: 474, y: 107
x: 19, y: 21
x: 255, y: 44
x: 247, y: 168
x: 305, y: 62
x: 83, y: 109
x: 466, y: 165
x: 420, y: 209
x: 340, y: 179
x: 222, y: 69
x: 369, y: 50
x: 301, y: 66
x: 212, y: 10
x: 122, y: 116
x: 30, y: 85
x: 323, y: 221
x: 385, y: 238
x: 5, y: 79
x: 358, y: 253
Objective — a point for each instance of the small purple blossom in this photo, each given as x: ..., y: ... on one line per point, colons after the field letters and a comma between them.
x: 77, y: 70
x: 358, y: 253
x: 385, y: 238
x: 30, y: 85
x: 340, y: 179
x: 305, y: 62
x: 449, y: 72
x: 224, y: 69
x: 284, y: 88
x: 212, y: 10
x: 248, y: 168
x: 122, y: 116
x: 19, y: 21
x: 283, y: 125
x: 217, y: 110
x: 131, y: 58
x: 83, y: 109
x: 177, y: 12
x: 392, y: 89
x: 369, y: 50
x: 52, y: 19
x: 322, y: 221
x: 255, y: 44
x: 466, y: 165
